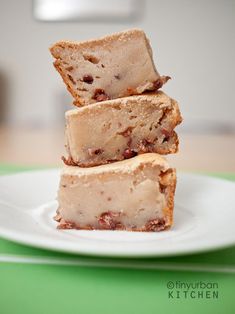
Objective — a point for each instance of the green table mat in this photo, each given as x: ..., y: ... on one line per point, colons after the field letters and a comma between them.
x: 40, y: 281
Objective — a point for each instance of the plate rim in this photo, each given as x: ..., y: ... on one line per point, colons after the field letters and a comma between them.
x: 102, y: 252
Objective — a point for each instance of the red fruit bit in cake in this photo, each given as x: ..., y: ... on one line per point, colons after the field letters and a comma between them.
x: 69, y: 161
x: 129, y: 153
x: 167, y: 134
x: 162, y: 80
x: 70, y: 68
x: 94, y: 151
x: 107, y: 220
x: 126, y: 132
x: 155, y: 225
x: 88, y: 79
x: 100, y: 95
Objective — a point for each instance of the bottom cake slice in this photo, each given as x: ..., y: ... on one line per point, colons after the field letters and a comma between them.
x: 136, y: 194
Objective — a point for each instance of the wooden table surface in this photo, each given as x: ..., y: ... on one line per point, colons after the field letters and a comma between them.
x: 33, y: 147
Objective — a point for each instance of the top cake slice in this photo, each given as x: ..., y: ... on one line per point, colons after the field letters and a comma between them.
x: 114, y: 66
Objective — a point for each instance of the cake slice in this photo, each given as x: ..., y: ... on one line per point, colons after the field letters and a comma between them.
x: 110, y: 67
x: 119, y: 129
x: 135, y: 194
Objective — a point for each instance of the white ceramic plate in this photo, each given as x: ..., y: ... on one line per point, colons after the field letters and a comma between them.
x: 204, y: 219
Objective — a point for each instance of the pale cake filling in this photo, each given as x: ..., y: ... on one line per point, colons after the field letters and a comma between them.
x: 130, y: 193
x: 107, y: 131
x: 120, y: 65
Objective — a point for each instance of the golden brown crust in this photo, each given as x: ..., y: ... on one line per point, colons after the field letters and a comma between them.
x: 124, y: 166
x: 105, y: 40
x: 78, y: 102
x: 168, y: 180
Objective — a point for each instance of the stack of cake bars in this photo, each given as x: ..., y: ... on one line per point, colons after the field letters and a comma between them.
x: 114, y: 176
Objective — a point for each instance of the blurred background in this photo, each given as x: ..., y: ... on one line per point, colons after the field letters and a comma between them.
x: 192, y: 41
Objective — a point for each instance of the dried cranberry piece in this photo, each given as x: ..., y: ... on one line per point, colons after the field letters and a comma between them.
x: 88, y: 79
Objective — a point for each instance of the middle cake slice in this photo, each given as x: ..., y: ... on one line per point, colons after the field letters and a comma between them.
x: 122, y: 128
